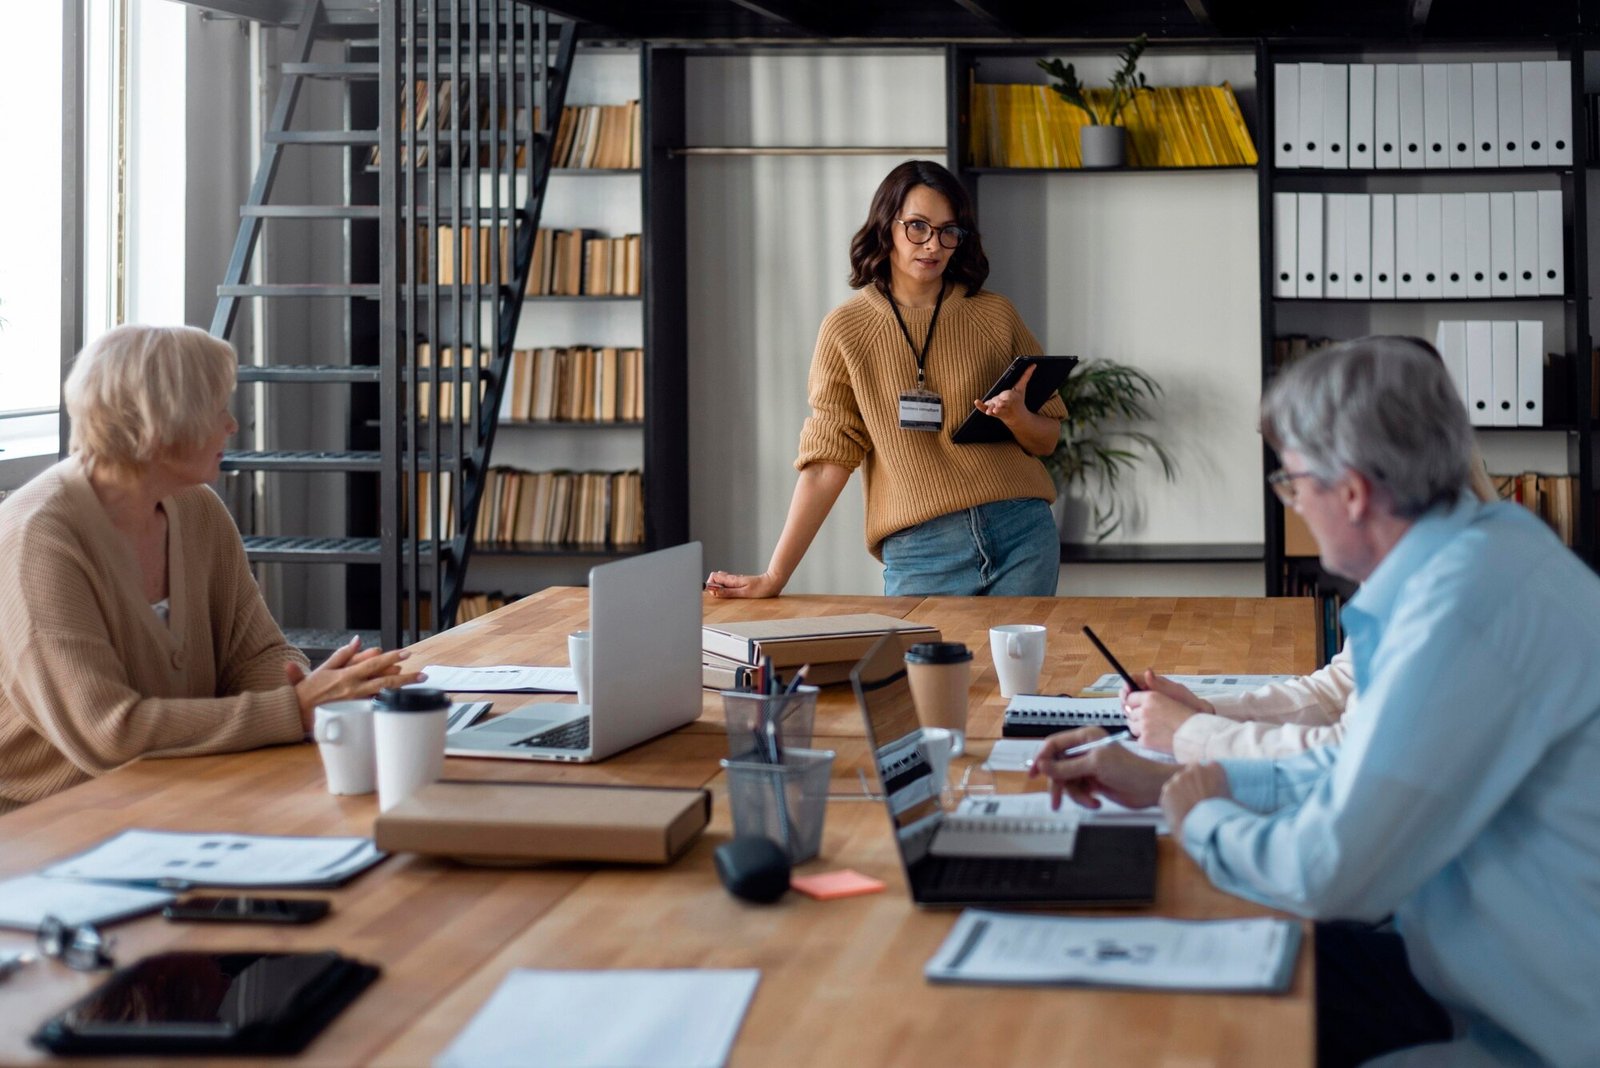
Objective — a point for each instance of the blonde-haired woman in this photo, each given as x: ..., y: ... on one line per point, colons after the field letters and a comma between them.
x: 130, y: 624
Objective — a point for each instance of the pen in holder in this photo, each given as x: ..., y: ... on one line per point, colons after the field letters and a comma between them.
x: 784, y: 802
x: 756, y: 720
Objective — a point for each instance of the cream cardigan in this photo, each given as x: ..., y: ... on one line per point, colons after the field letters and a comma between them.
x: 1273, y: 721
x: 90, y: 677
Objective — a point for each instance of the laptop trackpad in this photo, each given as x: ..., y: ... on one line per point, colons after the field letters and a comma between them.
x: 519, y: 725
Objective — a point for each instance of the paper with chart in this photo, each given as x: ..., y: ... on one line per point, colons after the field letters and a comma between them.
x: 171, y: 859
x: 1199, y: 685
x: 1153, y: 953
x: 26, y: 900
x: 575, y: 1019
x: 1037, y: 805
x: 499, y: 678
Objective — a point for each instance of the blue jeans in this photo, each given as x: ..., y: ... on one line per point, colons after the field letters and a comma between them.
x: 1001, y: 549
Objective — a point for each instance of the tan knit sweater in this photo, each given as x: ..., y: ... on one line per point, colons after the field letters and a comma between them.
x: 90, y: 678
x: 862, y: 363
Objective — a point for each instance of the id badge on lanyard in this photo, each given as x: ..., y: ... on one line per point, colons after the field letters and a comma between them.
x: 921, y: 410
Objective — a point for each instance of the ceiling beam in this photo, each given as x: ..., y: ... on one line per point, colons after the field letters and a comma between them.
x: 800, y: 14
x: 1004, y: 15
x: 275, y: 12
x: 615, y: 15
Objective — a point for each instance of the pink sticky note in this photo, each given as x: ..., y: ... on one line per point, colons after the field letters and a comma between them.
x: 828, y: 885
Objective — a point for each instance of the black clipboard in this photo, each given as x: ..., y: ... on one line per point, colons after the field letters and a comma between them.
x: 979, y: 428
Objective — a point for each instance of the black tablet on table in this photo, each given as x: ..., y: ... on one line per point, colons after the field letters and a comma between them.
x: 979, y: 428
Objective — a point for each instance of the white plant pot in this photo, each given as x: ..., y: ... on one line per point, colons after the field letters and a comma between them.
x: 1102, y: 146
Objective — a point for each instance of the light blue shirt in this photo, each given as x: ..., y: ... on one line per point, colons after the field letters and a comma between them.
x: 1465, y: 798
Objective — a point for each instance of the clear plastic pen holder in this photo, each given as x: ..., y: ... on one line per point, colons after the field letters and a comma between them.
x: 747, y: 714
x: 784, y: 802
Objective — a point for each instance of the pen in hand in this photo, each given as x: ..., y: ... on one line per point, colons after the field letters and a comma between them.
x: 1098, y: 644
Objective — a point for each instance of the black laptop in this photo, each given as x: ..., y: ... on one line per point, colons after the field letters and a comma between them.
x: 1110, y: 865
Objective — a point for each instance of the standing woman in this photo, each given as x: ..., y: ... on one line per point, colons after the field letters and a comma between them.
x: 918, y: 344
x: 132, y: 624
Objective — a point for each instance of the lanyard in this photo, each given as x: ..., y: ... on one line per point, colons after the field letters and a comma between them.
x: 921, y: 357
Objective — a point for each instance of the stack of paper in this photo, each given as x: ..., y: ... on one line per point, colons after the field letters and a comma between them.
x: 171, y: 859
x: 732, y: 653
x: 25, y: 902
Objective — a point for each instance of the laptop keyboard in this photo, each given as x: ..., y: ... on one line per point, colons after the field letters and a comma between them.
x: 574, y: 735
x: 1002, y: 874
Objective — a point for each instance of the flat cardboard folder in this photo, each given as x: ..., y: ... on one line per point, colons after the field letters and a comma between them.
x: 517, y: 822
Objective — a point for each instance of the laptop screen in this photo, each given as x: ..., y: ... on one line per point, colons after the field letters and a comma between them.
x: 905, y: 772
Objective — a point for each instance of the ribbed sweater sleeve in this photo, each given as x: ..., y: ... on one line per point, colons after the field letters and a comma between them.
x: 1273, y: 721
x: 861, y: 365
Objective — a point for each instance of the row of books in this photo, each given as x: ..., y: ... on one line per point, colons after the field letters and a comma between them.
x: 598, y: 136
x: 1184, y: 126
x: 449, y: 107
x: 579, y: 384
x: 1550, y: 497
x: 564, y: 262
x: 562, y: 507
x: 1305, y: 578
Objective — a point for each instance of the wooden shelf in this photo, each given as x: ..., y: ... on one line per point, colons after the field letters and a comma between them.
x: 1417, y: 172
x: 545, y: 549
x: 1107, y: 170
x: 1552, y: 299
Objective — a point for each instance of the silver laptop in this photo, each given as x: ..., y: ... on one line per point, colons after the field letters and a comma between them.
x: 644, y: 623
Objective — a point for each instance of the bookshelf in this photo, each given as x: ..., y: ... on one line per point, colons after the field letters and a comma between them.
x: 1562, y: 444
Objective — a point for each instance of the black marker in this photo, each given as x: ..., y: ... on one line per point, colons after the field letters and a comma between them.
x: 1098, y: 644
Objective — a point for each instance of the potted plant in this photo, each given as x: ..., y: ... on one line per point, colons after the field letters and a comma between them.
x: 1103, y: 142
x: 1097, y: 446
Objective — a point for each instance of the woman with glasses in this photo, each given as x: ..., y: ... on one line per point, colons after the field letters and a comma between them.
x: 133, y: 626
x: 896, y: 369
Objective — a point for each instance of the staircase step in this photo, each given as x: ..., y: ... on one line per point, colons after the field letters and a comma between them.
x: 321, y: 137
x: 303, y: 289
x: 311, y: 211
x: 353, y: 71
x: 308, y: 373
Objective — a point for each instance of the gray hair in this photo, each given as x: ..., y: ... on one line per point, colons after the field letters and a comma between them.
x: 1380, y: 406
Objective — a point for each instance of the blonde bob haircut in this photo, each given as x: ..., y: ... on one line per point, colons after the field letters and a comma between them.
x: 139, y: 393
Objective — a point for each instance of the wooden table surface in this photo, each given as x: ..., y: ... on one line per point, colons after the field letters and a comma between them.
x: 841, y: 981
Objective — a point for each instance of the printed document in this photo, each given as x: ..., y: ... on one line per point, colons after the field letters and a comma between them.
x: 1140, y: 952
x: 501, y: 678
x: 574, y: 1019
x: 26, y: 900
x: 178, y: 861
x: 1199, y: 685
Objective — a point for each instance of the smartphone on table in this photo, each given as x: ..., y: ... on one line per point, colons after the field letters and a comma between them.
x: 239, y: 908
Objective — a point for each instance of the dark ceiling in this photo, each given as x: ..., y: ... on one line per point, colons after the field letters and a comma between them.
x: 941, y: 21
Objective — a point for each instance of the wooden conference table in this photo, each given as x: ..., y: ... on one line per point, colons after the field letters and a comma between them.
x: 841, y: 981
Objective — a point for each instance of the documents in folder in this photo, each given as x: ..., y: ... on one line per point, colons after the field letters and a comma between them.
x: 1199, y: 685
x: 501, y: 678
x: 646, y: 1019
x: 26, y: 900
x: 808, y: 640
x: 1147, y: 953
x: 178, y: 861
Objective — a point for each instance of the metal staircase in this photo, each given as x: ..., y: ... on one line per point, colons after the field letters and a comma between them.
x: 484, y: 162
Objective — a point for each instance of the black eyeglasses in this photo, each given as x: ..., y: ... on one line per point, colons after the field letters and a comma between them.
x: 80, y: 947
x: 918, y: 232
x: 1282, y: 483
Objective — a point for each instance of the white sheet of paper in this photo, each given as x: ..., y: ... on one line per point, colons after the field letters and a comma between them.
x: 1199, y: 685
x: 998, y: 947
x: 575, y: 1019
x: 26, y: 900
x: 500, y: 678
x: 166, y: 858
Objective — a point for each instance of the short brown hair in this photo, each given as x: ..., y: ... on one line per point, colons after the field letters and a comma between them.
x: 870, y: 248
x: 137, y: 392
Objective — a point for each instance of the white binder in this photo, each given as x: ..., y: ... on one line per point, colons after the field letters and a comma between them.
x: 1412, y: 135
x: 1430, y: 269
x: 1435, y: 115
x: 1286, y: 114
x: 1480, y: 373
x: 1284, y: 264
x: 1386, y: 114
x: 1503, y: 397
x: 1535, y: 144
x: 1451, y: 341
x: 1458, y: 79
x: 1508, y: 78
x: 1358, y: 246
x: 1308, y: 249
x: 1334, y: 281
x: 1485, y: 117
x: 1310, y: 120
x: 1530, y: 372
x: 1453, y: 244
x: 1407, y: 285
x: 1336, y: 116
x: 1502, y: 245
x: 1477, y: 227
x: 1526, y: 227
x: 1362, y: 151
x: 1552, y: 252
x: 1558, y: 110
x: 1382, y: 245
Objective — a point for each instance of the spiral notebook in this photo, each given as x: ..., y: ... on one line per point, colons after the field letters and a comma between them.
x: 1031, y: 715
x: 1006, y: 825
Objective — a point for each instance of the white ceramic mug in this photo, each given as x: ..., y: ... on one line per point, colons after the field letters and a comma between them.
x: 343, y: 732
x: 939, y: 743
x: 1018, y: 651
x: 408, y: 736
x: 578, y: 654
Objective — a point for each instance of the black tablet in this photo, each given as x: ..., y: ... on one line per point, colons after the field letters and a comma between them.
x: 239, y: 1002
x: 1052, y: 371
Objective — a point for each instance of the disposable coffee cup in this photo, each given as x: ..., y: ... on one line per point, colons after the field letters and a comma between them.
x: 940, y: 674
x: 343, y: 732
x: 408, y: 729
